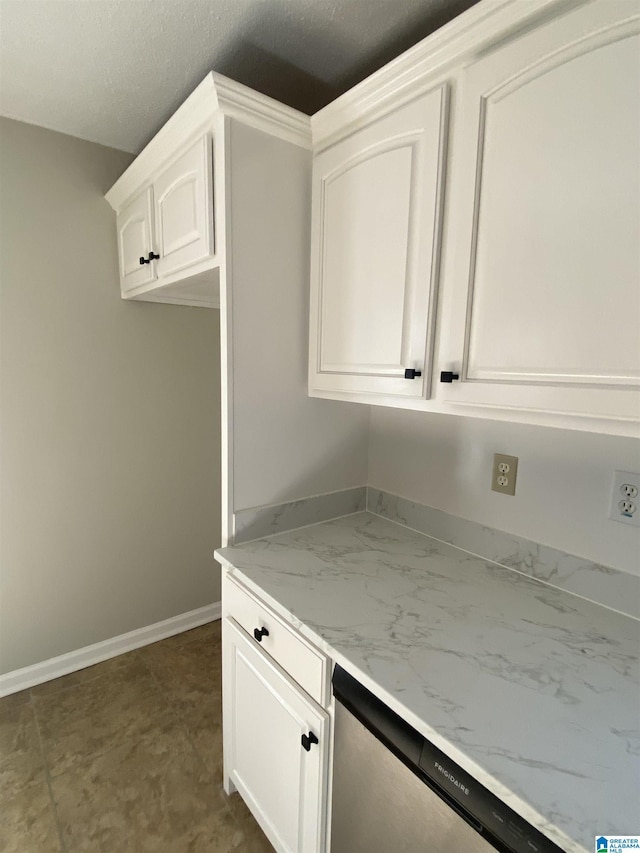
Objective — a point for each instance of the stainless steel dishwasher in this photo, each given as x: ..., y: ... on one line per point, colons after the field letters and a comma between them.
x: 394, y: 792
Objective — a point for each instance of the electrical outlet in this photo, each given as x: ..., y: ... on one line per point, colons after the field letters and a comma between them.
x: 503, y: 476
x: 625, y: 506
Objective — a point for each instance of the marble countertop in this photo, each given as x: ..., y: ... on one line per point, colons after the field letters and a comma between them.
x: 532, y: 690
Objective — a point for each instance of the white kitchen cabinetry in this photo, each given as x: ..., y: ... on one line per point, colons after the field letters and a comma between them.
x: 135, y: 242
x: 545, y: 220
x: 173, y: 200
x: 183, y: 195
x: 234, y: 165
x: 539, y: 293
x: 276, y: 737
x: 376, y: 234
x: 166, y: 233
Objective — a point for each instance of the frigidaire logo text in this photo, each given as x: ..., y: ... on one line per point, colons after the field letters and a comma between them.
x: 451, y: 778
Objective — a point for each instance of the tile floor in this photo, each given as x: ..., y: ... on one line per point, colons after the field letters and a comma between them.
x: 123, y: 756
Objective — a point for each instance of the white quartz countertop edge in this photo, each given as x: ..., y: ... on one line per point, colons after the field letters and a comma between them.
x: 515, y: 802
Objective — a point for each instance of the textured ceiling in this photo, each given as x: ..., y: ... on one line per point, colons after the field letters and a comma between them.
x: 113, y: 71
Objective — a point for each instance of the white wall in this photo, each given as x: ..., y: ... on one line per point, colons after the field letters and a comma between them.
x: 110, y: 417
x: 563, y: 487
x: 286, y: 445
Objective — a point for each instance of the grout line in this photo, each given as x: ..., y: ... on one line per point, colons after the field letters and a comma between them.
x: 64, y: 687
x: 167, y: 697
x: 217, y: 783
x: 90, y: 757
x: 47, y: 773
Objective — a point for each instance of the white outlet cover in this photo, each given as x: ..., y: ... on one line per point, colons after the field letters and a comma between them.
x: 619, y: 499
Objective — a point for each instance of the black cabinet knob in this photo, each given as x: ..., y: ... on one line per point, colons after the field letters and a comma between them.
x: 448, y: 376
x: 153, y: 257
x: 259, y: 633
x: 144, y: 261
x: 410, y: 373
x: 307, y: 740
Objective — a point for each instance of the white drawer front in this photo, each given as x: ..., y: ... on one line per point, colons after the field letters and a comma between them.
x: 304, y: 663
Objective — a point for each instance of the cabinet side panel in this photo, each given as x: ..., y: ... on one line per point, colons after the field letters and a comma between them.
x: 286, y: 445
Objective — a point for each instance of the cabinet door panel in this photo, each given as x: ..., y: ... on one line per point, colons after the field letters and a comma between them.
x: 548, y: 208
x: 366, y: 242
x: 184, y: 210
x: 376, y: 217
x: 265, y: 716
x: 135, y: 229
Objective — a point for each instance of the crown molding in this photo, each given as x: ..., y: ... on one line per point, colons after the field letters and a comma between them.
x: 215, y: 96
x: 415, y: 71
x: 247, y: 105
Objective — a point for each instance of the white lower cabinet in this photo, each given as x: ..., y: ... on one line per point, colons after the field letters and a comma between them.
x: 276, y: 744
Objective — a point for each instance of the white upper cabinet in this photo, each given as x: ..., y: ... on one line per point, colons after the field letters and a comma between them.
x: 166, y: 233
x: 135, y: 241
x: 545, y: 222
x: 183, y: 195
x: 171, y: 203
x: 375, y: 242
x: 538, y: 302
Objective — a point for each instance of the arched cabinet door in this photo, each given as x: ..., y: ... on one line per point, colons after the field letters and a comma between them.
x: 545, y: 206
x: 375, y: 249
x: 183, y: 209
x: 135, y: 241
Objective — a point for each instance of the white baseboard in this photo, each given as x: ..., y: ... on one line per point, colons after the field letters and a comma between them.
x: 29, y: 676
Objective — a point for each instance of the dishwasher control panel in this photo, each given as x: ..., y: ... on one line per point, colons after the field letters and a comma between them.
x: 483, y: 807
x: 500, y: 827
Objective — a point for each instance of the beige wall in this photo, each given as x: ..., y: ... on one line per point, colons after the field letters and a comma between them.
x: 304, y: 446
x: 564, y: 478
x: 110, y: 417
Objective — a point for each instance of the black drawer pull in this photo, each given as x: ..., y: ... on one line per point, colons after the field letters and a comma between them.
x: 259, y: 633
x: 148, y: 260
x: 307, y: 740
x: 410, y: 373
x: 448, y: 376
